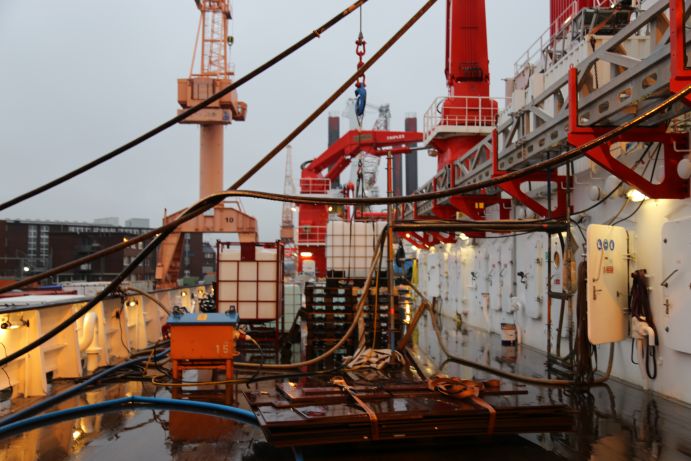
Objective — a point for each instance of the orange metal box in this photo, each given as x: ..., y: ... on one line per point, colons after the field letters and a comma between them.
x: 203, y: 336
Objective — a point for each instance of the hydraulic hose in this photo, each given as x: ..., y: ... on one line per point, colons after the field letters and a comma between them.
x: 216, y: 198
x: 150, y: 298
x: 74, y: 390
x: 549, y: 163
x: 213, y: 200
x: 135, y: 401
x: 359, y: 310
x: 316, y: 33
x: 490, y: 226
x: 529, y: 225
x: 495, y: 371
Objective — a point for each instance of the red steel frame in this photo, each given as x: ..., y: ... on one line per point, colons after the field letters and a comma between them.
x: 513, y: 187
x: 680, y: 76
x: 671, y: 186
x: 461, y: 84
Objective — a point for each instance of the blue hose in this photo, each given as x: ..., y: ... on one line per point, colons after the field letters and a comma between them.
x: 135, y: 401
x: 297, y: 454
x: 54, y: 399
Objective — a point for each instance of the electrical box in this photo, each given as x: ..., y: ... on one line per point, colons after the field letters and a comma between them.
x: 557, y: 261
x: 607, y: 283
x: 203, y: 336
x: 676, y: 283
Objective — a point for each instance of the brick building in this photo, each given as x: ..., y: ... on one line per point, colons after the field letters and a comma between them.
x: 33, y: 246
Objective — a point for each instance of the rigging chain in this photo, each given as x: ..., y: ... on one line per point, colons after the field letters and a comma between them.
x: 360, y: 83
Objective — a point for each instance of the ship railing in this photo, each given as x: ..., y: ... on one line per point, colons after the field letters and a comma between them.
x: 315, y: 185
x: 463, y: 114
x: 546, y: 43
x: 312, y: 235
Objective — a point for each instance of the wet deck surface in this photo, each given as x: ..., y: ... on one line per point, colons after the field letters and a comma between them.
x: 614, y: 422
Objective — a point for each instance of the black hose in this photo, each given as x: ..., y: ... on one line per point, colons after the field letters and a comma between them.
x: 208, y: 202
x: 212, y: 200
x: 185, y: 114
x: 639, y: 307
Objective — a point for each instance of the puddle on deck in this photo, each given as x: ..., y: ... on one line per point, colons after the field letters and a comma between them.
x: 614, y: 422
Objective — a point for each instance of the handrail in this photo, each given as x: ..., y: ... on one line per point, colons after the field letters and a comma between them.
x: 554, y: 32
x: 468, y: 111
x: 312, y: 235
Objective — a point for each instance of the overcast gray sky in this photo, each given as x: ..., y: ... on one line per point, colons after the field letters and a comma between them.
x: 79, y: 78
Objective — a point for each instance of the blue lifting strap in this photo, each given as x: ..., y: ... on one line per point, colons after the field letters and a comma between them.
x: 360, y: 100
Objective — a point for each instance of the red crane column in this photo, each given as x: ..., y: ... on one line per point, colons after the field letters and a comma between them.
x: 467, y: 64
x: 214, y: 74
x: 467, y: 76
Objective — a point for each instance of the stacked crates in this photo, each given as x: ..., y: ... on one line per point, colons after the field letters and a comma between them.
x: 329, y: 310
x: 376, y: 316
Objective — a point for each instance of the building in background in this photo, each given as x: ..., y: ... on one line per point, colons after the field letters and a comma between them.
x: 33, y: 246
x: 209, y: 263
x: 137, y: 222
x: 111, y: 221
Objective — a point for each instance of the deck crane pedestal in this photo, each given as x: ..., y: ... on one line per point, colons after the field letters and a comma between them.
x: 214, y: 75
x: 455, y: 125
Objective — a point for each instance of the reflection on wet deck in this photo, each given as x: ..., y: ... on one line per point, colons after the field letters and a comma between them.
x: 614, y: 422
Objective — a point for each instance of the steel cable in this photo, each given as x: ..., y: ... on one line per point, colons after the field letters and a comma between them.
x: 183, y: 115
x: 214, y: 199
x: 552, y: 162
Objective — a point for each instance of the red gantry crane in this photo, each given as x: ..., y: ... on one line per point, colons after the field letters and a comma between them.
x: 214, y: 74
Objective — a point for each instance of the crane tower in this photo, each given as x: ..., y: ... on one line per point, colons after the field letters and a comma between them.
x: 213, y: 74
x: 287, y: 226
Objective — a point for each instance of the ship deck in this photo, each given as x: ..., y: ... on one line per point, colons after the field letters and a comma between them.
x: 613, y: 421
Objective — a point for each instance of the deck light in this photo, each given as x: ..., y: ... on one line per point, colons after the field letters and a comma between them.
x: 636, y: 196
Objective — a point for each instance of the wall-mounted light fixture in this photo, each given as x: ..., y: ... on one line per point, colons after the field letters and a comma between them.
x: 635, y: 195
x: 131, y: 302
x: 7, y: 324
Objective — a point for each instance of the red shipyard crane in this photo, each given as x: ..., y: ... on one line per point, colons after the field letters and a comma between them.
x: 472, y: 146
x: 213, y: 75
